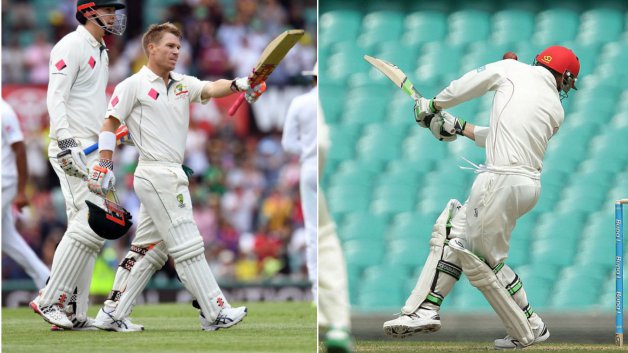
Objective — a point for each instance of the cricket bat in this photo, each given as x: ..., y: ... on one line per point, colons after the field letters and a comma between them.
x: 121, y: 134
x: 398, y: 77
x: 275, y: 51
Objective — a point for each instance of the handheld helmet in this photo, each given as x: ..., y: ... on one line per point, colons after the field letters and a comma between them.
x: 86, y: 11
x: 562, y: 61
x: 108, y: 219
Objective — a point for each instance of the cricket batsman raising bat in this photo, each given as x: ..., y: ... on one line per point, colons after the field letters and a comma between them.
x: 271, y: 57
x: 474, y: 237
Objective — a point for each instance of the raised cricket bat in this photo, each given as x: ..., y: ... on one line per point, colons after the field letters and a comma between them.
x: 398, y: 77
x: 271, y: 57
x: 121, y: 134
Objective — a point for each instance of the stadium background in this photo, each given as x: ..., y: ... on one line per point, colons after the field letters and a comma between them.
x: 244, y: 189
x: 387, y: 179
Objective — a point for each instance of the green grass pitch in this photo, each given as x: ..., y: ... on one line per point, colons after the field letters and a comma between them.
x: 387, y: 346
x: 268, y: 327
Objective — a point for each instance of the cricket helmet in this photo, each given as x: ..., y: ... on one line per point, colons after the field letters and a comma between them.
x: 108, y: 219
x: 86, y: 10
x: 563, y: 61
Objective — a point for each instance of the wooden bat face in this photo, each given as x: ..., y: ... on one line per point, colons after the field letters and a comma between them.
x: 398, y: 77
x: 273, y: 54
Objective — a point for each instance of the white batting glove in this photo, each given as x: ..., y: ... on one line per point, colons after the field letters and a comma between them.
x: 437, y: 128
x: 240, y: 84
x: 252, y: 94
x: 424, y: 110
x: 451, y: 124
x: 72, y: 159
x: 101, y: 178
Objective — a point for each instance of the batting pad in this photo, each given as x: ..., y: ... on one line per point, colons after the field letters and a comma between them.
x: 185, y: 245
x: 72, y: 257
x: 333, y: 295
x: 482, y: 277
x: 138, y: 277
x: 437, y: 242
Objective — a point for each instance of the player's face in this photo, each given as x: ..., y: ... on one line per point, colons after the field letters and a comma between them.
x: 166, y: 52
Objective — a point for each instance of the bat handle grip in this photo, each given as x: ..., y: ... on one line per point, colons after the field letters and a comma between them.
x: 90, y: 149
x: 236, y: 104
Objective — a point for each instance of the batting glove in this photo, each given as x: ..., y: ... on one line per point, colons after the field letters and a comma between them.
x: 437, y: 128
x: 240, y: 84
x: 424, y: 111
x: 451, y: 124
x: 252, y: 94
x: 72, y: 159
x: 101, y: 178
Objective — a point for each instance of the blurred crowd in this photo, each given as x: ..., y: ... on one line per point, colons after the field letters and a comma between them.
x: 244, y: 186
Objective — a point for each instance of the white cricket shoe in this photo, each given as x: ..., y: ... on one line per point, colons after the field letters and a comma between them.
x: 105, y: 321
x: 227, y: 317
x: 52, y: 314
x: 422, y: 321
x: 86, y: 325
x: 508, y: 342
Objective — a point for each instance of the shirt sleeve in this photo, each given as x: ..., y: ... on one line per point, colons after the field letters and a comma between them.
x: 63, y: 70
x: 472, y: 85
x: 10, y: 125
x: 480, y: 132
x: 290, y: 138
x: 194, y: 86
x: 122, y: 100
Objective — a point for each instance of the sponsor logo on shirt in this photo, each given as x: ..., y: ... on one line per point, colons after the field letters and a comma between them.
x: 180, y: 200
x: 91, y: 62
x: 115, y: 101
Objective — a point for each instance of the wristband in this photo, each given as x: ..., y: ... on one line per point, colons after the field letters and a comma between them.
x: 462, y: 123
x: 106, y: 141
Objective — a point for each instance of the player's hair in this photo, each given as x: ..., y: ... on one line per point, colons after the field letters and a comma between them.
x: 154, y: 33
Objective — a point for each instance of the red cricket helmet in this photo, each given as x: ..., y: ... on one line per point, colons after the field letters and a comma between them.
x: 563, y: 61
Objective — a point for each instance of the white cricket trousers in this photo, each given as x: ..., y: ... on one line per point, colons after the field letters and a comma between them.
x: 488, y: 217
x: 166, y: 215
x: 14, y: 245
x: 308, y: 187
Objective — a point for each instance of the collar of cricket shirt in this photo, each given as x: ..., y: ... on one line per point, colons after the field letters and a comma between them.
x: 153, y: 76
x: 85, y: 34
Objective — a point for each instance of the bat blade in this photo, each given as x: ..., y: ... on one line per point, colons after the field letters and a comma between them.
x: 272, y: 55
x: 395, y: 74
x: 121, y: 133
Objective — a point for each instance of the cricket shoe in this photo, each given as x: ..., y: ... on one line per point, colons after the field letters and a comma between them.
x: 226, y: 318
x: 422, y: 321
x: 338, y: 340
x: 105, y: 321
x: 85, y: 325
x: 53, y: 314
x: 508, y: 342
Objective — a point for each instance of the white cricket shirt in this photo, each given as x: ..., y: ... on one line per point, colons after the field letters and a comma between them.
x: 11, y: 134
x: 299, y: 131
x: 157, y: 115
x: 526, y: 112
x: 79, y: 69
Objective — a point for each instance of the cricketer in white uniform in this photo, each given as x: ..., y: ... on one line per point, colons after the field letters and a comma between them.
x: 333, y: 294
x: 155, y: 105
x: 76, y: 104
x: 14, y: 177
x: 299, y: 137
x: 526, y: 113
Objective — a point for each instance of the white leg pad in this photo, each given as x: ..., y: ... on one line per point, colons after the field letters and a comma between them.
x: 83, y: 284
x: 137, y: 279
x: 482, y: 277
x: 186, y: 247
x: 437, y: 242
x: 72, y: 257
x: 333, y: 296
x: 135, y: 254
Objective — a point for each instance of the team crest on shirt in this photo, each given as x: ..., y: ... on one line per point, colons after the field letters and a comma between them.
x: 180, y: 90
x: 180, y: 200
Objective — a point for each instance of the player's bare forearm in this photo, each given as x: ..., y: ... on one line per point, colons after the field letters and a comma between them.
x: 216, y: 89
x: 111, y: 124
x: 469, y: 131
x: 19, y: 149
